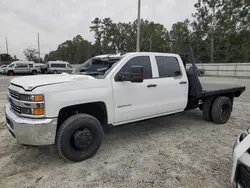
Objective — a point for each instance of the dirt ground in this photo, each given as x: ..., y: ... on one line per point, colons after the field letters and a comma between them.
x: 177, y: 151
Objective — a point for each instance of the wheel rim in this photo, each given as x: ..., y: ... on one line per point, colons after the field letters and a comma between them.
x: 82, y: 139
x: 226, y: 111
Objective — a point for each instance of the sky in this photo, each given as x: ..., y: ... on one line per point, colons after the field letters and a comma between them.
x: 61, y: 20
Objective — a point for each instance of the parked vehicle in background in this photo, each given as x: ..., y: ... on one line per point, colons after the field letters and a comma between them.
x: 2, y: 69
x: 5, y: 63
x: 21, y: 67
x: 200, y: 72
x: 39, y: 67
x: 97, y: 64
x: 56, y: 67
x: 71, y: 111
x: 241, y: 161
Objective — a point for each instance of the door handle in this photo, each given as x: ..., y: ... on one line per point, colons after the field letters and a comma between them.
x: 183, y: 82
x: 152, y: 85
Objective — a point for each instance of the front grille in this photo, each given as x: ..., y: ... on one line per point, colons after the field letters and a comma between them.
x: 243, y: 176
x: 15, y: 107
x: 14, y: 94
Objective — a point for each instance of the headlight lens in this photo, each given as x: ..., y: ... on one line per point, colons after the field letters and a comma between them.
x: 32, y: 98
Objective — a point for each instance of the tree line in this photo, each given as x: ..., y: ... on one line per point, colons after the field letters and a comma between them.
x: 219, y: 32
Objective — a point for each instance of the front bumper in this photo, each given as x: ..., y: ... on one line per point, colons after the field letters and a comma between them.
x: 241, y: 163
x: 35, y: 132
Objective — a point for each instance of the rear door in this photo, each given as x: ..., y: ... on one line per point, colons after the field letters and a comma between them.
x: 172, y: 84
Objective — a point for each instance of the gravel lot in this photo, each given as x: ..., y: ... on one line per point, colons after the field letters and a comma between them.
x: 176, y: 151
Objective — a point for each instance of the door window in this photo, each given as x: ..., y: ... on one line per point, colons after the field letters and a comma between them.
x: 168, y: 66
x: 143, y: 61
x: 57, y: 65
x: 21, y: 65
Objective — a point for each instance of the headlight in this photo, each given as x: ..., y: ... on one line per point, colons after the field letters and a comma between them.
x: 32, y: 98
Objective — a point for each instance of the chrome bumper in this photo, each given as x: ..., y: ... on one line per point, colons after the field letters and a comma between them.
x: 29, y: 131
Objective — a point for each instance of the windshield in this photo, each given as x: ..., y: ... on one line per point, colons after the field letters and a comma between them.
x: 99, y: 67
x: 11, y: 65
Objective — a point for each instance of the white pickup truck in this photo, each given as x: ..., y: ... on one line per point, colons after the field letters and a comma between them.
x: 71, y: 111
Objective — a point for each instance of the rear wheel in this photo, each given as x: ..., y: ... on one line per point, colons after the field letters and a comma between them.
x: 55, y: 72
x: 79, y: 137
x: 206, y: 109
x: 34, y: 72
x: 221, y: 110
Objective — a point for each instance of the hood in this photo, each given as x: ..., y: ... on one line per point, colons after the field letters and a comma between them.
x: 31, y: 82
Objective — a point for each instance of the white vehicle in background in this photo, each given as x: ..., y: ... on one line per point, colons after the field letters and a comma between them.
x: 241, y: 161
x: 20, y: 67
x: 2, y: 69
x: 71, y: 111
x: 97, y: 64
x: 56, y: 67
x: 39, y: 67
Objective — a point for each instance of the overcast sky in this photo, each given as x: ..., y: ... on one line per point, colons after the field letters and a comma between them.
x: 59, y: 20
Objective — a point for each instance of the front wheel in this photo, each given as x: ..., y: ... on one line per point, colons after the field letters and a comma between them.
x: 79, y: 137
x: 10, y: 73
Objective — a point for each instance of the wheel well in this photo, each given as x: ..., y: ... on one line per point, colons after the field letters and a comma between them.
x: 96, y: 109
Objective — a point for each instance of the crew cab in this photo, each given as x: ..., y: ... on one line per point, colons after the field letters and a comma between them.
x: 71, y: 111
x: 21, y: 67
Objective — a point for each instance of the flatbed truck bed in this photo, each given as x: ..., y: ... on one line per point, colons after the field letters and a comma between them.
x: 212, y: 89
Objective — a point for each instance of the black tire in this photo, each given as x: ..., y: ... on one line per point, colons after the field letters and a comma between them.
x: 55, y: 72
x: 206, y: 108
x: 221, y: 110
x: 70, y: 128
x: 34, y: 72
x: 10, y: 73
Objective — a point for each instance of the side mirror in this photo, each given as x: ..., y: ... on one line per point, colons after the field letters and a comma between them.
x: 135, y: 74
x: 177, y: 73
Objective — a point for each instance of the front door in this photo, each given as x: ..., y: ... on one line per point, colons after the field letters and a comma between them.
x: 21, y: 68
x: 133, y: 101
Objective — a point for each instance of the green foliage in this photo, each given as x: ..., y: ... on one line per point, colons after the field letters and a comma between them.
x: 6, y: 57
x: 227, y: 23
x: 75, y: 51
x: 30, y: 54
x: 220, y: 32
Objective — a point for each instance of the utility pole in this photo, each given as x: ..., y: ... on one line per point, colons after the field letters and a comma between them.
x: 38, y: 48
x: 150, y: 42
x: 212, y: 50
x: 212, y: 36
x: 138, y: 27
x: 6, y: 42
